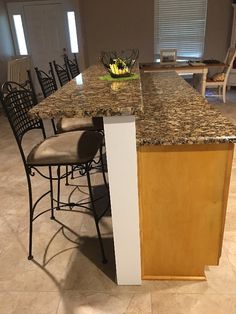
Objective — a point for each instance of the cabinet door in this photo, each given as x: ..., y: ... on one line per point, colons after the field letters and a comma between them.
x: 183, y: 193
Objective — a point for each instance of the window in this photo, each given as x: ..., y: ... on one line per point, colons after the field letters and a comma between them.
x: 20, y: 35
x: 72, y: 32
x: 180, y: 24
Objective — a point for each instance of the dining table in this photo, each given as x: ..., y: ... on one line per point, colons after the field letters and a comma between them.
x: 185, y: 68
x: 160, y: 134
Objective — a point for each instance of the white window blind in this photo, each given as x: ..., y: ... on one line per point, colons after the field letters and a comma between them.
x: 180, y: 24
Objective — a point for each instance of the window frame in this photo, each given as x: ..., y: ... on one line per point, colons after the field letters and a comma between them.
x: 70, y: 32
x: 157, y: 36
x: 19, y: 47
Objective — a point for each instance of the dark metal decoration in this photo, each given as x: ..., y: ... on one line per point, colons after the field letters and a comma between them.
x: 62, y: 73
x: 17, y: 100
x: 48, y: 85
x: 119, y: 64
x: 72, y: 65
x: 47, y: 81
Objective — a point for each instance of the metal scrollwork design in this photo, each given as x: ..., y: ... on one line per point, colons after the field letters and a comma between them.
x: 30, y: 171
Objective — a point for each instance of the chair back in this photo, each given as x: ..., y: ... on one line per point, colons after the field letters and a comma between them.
x: 229, y: 60
x: 62, y: 73
x: 48, y: 86
x: 47, y: 81
x: 17, y: 100
x: 72, y: 66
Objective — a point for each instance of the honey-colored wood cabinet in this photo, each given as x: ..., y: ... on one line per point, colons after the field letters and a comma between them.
x: 183, y: 192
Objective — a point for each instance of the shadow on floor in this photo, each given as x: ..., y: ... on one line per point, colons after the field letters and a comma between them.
x: 85, y: 270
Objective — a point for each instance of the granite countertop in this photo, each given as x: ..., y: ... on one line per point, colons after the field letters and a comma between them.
x: 174, y: 113
x: 88, y: 96
x: 168, y: 110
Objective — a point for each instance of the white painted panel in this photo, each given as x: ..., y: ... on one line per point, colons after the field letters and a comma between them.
x: 46, y: 29
x: 121, y: 151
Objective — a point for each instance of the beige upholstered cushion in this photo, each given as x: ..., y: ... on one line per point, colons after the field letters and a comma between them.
x: 66, y: 148
x: 218, y: 77
x: 77, y: 124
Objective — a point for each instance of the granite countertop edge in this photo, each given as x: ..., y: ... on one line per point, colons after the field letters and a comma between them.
x: 187, y: 141
x: 168, y: 110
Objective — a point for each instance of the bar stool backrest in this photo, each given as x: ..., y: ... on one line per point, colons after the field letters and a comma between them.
x: 47, y: 81
x: 62, y: 73
x: 17, y: 100
x: 72, y: 65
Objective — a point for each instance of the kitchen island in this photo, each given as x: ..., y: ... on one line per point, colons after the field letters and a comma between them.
x: 169, y: 159
x: 185, y: 156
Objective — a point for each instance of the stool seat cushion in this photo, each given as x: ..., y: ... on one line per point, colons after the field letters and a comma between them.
x: 66, y: 148
x: 79, y: 124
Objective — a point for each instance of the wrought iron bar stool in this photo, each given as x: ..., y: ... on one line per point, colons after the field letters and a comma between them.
x: 72, y: 65
x: 48, y: 86
x: 75, y: 149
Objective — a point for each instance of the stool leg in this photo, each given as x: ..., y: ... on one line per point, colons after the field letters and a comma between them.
x: 54, y: 126
x: 58, y: 186
x: 31, y: 214
x: 103, y: 169
x: 67, y: 176
x: 51, y: 192
x: 72, y: 173
x: 104, y: 260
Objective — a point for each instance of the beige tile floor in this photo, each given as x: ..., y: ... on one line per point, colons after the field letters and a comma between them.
x: 67, y: 277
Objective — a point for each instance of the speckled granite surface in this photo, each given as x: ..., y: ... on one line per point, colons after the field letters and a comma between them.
x: 88, y: 96
x: 168, y: 110
x: 175, y: 113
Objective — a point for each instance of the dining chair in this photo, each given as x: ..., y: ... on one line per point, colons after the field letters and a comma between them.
x: 219, y: 80
x: 77, y: 149
x: 62, y: 73
x: 72, y: 65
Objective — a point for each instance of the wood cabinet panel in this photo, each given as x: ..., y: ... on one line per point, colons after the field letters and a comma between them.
x: 183, y: 193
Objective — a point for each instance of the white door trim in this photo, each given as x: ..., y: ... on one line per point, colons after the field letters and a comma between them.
x: 69, y: 5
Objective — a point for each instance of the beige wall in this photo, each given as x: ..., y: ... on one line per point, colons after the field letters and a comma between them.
x: 106, y: 27
x: 218, y: 28
x: 112, y: 24
x: 6, y: 45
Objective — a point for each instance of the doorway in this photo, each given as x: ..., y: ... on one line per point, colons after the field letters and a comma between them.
x: 46, y: 30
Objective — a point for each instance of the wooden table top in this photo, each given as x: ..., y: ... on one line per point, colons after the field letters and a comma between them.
x: 177, y: 66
